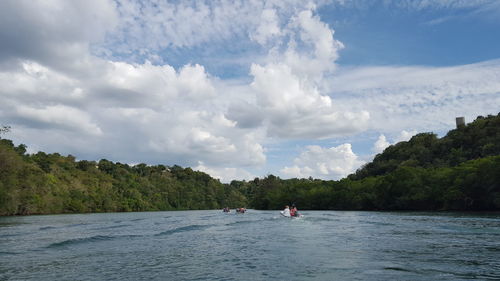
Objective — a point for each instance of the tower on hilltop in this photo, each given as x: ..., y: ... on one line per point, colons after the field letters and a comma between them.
x: 460, y: 122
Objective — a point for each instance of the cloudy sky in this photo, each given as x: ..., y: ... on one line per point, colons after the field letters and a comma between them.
x: 241, y: 89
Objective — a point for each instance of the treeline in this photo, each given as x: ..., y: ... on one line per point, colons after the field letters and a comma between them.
x: 50, y: 183
x: 478, y: 139
x: 472, y: 185
x: 460, y: 171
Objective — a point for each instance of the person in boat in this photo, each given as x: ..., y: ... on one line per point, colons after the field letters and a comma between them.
x: 294, y: 212
x: 286, y: 211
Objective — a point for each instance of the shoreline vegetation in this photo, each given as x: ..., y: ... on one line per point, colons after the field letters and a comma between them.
x: 458, y: 172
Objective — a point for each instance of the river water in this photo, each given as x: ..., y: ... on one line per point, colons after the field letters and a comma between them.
x: 258, y: 245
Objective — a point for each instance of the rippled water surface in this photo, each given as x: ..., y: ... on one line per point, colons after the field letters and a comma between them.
x: 258, y: 245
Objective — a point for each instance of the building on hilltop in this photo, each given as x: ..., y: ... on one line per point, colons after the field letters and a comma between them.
x: 460, y: 122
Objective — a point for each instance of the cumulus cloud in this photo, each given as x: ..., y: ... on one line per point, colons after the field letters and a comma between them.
x: 317, y: 36
x: 127, y: 112
x: 54, y: 33
x: 161, y: 84
x: 324, y: 163
x: 380, y: 144
x: 287, y: 95
x: 405, y: 135
x: 294, y: 110
x: 59, y: 116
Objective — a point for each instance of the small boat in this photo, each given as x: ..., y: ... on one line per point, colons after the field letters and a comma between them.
x: 298, y: 216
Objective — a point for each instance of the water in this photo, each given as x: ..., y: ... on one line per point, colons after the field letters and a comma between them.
x: 258, y: 245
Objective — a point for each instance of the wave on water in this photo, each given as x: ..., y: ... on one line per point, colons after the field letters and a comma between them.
x: 8, y: 253
x: 112, y: 227
x: 9, y: 224
x: 320, y: 219
x: 47, y: 227
x: 193, y: 227
x: 85, y: 240
x: 76, y: 224
x: 76, y: 241
x: 376, y: 222
x: 396, y: 268
x: 243, y: 222
x: 4, y: 235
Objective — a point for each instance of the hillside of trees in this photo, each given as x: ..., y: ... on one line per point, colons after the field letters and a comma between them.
x: 478, y: 139
x: 50, y: 183
x: 460, y: 171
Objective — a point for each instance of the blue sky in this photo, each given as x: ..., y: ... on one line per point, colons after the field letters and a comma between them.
x: 434, y: 36
x: 242, y: 89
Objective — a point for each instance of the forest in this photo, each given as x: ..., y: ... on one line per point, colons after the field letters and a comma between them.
x: 50, y: 183
x: 460, y: 171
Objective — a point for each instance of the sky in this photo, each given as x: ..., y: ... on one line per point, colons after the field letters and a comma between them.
x: 243, y: 89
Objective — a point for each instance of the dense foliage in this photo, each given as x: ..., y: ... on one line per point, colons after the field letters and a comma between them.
x: 460, y: 171
x: 50, y: 183
x: 472, y: 185
x: 478, y: 139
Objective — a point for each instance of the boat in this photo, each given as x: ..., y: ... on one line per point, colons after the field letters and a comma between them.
x: 294, y: 217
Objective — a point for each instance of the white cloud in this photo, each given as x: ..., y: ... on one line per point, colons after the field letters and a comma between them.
x: 60, y: 116
x: 422, y: 98
x: 268, y: 28
x: 169, y: 116
x: 161, y: 84
x: 319, y: 38
x: 324, y: 163
x: 225, y: 174
x: 33, y: 83
x: 294, y: 110
x: 380, y: 144
x: 54, y: 33
x: 287, y: 96
x: 405, y: 135
x: 147, y: 27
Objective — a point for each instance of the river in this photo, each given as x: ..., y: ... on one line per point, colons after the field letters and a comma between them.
x: 258, y: 245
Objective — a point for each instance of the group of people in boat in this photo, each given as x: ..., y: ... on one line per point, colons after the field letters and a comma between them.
x: 290, y: 211
x: 287, y: 212
x: 238, y: 210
